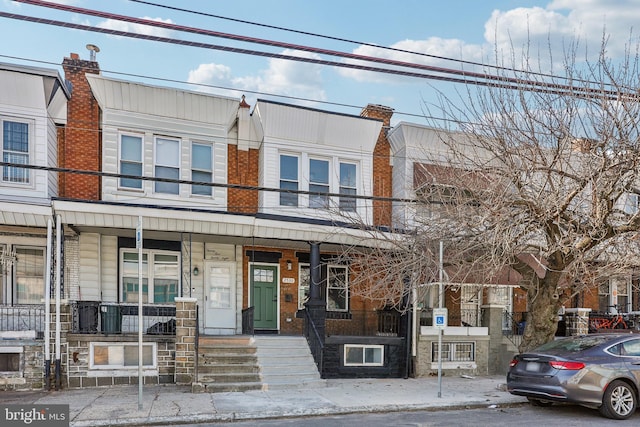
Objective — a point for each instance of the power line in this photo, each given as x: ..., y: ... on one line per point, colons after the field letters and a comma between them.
x: 513, y: 82
x: 201, y: 183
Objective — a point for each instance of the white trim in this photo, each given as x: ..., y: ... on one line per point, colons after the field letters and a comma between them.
x: 363, y: 347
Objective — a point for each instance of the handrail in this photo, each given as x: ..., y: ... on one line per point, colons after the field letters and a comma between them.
x: 196, y: 346
x: 315, y: 342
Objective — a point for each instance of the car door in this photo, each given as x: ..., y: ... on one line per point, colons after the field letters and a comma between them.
x: 632, y: 357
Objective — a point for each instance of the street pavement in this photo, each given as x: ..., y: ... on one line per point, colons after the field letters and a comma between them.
x: 171, y: 404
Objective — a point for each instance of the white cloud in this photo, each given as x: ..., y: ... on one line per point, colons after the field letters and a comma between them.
x: 113, y: 24
x: 282, y: 77
x: 543, y: 31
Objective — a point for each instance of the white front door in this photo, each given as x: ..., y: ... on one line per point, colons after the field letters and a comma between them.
x: 220, y: 297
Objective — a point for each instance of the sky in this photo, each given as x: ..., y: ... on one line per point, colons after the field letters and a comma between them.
x: 468, y: 30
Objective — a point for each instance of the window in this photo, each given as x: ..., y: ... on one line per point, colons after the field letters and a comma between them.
x: 347, y: 186
x: 603, y: 297
x: 623, y: 302
x: 337, y: 288
x: 304, y: 283
x: 201, y: 168
x: 29, y: 274
x: 454, y: 352
x: 15, y: 149
x: 363, y: 355
x: 167, y: 165
x: 160, y: 280
x: 288, y: 180
x: 318, y: 183
x: 121, y: 355
x: 131, y: 160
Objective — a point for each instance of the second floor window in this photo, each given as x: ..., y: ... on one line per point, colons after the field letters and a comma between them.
x: 131, y: 160
x: 201, y: 168
x: 347, y: 187
x: 318, y: 183
x: 288, y: 180
x: 15, y: 149
x: 167, y: 165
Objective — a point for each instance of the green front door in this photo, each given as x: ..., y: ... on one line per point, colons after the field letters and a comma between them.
x: 264, y: 296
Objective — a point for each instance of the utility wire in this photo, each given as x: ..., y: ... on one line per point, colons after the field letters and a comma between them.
x: 516, y: 83
x: 340, y: 39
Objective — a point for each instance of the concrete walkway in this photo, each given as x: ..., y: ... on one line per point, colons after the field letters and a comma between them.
x: 118, y: 406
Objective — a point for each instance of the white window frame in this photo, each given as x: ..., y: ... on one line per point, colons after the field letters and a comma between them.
x: 347, y: 197
x: 451, y: 349
x: 303, y: 288
x: 115, y: 348
x: 15, y: 274
x: 121, y: 160
x: 328, y: 185
x: 364, y: 348
x: 199, y: 170
x: 157, y: 164
x: 148, y: 276
x: 30, y: 150
x: 346, y: 287
x: 281, y: 180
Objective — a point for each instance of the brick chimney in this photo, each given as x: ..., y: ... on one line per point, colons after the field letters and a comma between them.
x: 243, y: 166
x: 382, y: 170
x: 81, y: 146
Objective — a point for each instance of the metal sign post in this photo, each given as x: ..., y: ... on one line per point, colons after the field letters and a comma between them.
x: 139, y: 247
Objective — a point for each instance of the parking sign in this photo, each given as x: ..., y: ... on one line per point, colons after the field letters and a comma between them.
x: 440, y: 318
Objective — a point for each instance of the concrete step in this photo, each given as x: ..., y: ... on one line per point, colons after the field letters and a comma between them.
x: 206, y: 387
x: 229, y: 377
x: 286, y: 362
x: 222, y: 368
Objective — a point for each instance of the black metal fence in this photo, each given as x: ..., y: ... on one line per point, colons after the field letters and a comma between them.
x: 364, y: 323
x: 92, y: 317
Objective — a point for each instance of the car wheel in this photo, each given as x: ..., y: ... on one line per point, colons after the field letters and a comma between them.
x: 619, y: 401
x: 539, y: 402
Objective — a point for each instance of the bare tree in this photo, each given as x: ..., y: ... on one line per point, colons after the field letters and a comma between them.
x: 534, y: 178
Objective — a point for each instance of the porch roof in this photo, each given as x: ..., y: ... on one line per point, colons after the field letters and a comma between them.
x: 157, y: 221
x: 25, y: 214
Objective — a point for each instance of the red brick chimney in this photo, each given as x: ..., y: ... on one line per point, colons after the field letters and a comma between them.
x: 81, y: 146
x: 382, y: 170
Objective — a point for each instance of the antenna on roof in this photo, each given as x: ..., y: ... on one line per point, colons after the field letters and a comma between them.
x: 93, y: 49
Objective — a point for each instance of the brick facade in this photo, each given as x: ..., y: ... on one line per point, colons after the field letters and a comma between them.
x: 382, y: 171
x: 80, y: 148
x: 242, y: 170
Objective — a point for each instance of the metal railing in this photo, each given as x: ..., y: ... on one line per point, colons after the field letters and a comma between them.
x: 313, y: 338
x: 92, y: 317
x: 513, y: 324
x: 364, y: 323
x: 23, y: 318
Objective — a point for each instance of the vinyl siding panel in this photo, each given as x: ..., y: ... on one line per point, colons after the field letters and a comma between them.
x: 89, y: 272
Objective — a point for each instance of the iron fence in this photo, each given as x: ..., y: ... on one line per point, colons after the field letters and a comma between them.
x: 91, y: 317
x: 23, y: 318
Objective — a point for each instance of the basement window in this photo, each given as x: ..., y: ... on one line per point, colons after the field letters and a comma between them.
x: 121, y: 356
x: 9, y: 362
x: 454, y: 352
x: 363, y: 355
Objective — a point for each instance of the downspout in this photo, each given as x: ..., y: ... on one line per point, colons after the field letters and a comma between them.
x: 58, y: 277
x: 47, y: 309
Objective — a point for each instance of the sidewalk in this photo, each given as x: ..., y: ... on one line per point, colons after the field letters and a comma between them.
x: 170, y: 404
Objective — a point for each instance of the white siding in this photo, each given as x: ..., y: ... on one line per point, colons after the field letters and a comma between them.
x: 89, y: 274
x: 109, y: 268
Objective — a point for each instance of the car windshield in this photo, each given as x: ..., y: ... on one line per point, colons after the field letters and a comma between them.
x: 573, y: 344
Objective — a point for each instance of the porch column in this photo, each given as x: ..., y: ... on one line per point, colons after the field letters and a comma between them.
x: 186, y: 326
x: 316, y: 305
x: 492, y: 320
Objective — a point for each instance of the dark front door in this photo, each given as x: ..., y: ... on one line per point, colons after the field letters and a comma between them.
x: 264, y: 296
